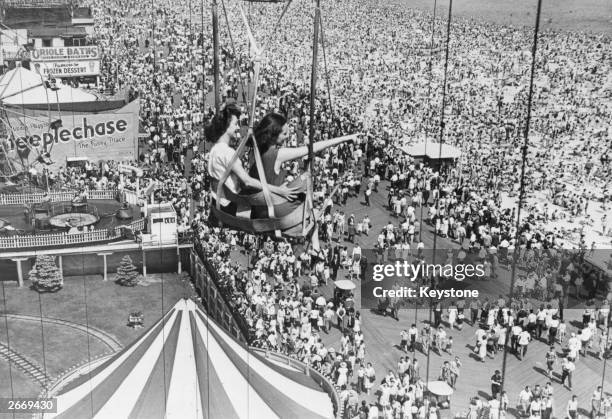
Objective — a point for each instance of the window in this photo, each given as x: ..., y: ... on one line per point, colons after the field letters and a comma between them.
x: 46, y: 42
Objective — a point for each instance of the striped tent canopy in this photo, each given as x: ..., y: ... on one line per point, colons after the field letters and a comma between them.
x: 186, y: 366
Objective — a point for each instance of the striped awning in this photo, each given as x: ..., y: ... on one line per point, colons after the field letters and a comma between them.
x: 186, y: 366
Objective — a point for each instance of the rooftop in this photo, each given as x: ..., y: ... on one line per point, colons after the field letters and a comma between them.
x: 23, y: 17
x: 26, y: 17
x: 56, y: 31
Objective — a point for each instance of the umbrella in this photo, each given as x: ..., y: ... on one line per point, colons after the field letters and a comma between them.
x: 345, y: 284
x: 440, y: 388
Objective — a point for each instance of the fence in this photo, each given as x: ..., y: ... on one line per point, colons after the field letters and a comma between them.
x: 65, y: 239
x: 215, y: 302
x: 64, y: 196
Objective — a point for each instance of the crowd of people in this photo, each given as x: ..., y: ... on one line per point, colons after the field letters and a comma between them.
x: 383, y: 81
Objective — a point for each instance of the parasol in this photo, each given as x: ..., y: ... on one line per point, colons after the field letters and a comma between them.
x: 440, y: 388
x: 345, y: 284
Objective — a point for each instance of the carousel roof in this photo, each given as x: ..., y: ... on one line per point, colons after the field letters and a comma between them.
x: 186, y: 366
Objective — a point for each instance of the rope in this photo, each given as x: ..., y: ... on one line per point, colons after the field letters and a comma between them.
x: 442, y: 126
x: 42, y: 334
x: 91, y: 401
x: 331, y: 106
x: 229, y: 30
x: 203, y: 82
x: 522, y: 183
x: 8, y: 341
x: 433, y: 25
x: 276, y: 27
x: 313, y: 85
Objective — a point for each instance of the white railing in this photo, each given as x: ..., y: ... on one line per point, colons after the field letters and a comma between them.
x: 65, y: 239
x: 20, y: 199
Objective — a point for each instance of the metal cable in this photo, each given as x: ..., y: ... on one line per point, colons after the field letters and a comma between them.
x: 236, y: 57
x: 433, y: 25
x: 329, y: 97
x: 442, y: 126
x: 8, y: 341
x: 522, y: 184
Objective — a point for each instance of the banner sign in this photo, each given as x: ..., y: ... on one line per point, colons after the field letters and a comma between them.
x: 62, y: 69
x: 97, y: 136
x: 65, y: 53
x: 66, y: 61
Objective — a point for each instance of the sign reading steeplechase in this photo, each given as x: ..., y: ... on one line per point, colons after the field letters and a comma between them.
x: 97, y: 136
x: 66, y: 61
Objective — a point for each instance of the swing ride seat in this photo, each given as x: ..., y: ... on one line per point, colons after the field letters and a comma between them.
x: 291, y: 225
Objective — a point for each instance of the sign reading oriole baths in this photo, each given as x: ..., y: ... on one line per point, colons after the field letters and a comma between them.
x: 65, y: 53
x: 100, y: 136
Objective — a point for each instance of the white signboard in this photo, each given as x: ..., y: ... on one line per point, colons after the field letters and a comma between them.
x: 64, y: 62
x: 97, y: 136
x: 62, y: 69
x: 65, y: 53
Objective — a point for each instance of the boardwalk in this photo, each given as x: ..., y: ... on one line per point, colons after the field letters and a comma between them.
x: 382, y: 337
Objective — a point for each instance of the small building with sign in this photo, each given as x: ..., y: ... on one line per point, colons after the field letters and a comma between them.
x: 161, y: 224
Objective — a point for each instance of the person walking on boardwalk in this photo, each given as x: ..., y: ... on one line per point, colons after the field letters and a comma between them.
x: 551, y: 358
x: 496, y: 382
x: 572, y: 408
x: 403, y: 341
x: 596, y: 405
x: 568, y: 368
x: 523, y: 340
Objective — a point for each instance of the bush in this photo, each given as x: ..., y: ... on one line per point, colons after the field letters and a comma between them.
x: 127, y: 274
x: 45, y: 275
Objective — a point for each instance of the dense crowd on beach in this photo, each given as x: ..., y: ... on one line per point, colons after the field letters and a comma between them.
x: 384, y: 81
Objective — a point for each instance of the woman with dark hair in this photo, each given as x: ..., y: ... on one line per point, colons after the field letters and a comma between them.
x: 221, y: 130
x: 270, y: 134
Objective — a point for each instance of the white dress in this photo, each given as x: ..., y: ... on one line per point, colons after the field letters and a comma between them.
x: 482, y: 350
x: 452, y: 316
x: 342, y: 378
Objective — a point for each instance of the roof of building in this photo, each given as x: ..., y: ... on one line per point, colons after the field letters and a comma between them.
x: 186, y: 365
x: 161, y: 208
x: 24, y: 17
x: 55, y: 32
